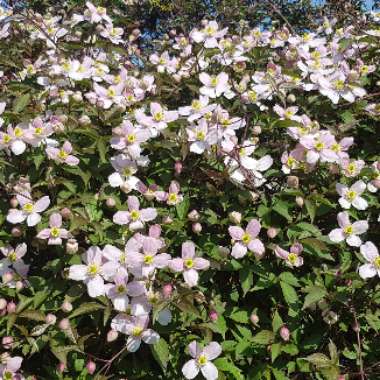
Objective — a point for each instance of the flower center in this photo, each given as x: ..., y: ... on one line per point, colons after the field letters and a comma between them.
x: 28, y: 207
x: 62, y: 154
x: 214, y: 82
x: 12, y: 256
x: 336, y: 148
x: 351, y: 194
x: 6, y: 138
x: 202, y: 360
x: 111, y: 93
x: 189, y: 263
x: 351, y: 168
x: 18, y: 132
x: 246, y: 238
x: 7, y: 375
x: 196, y: 105
x: 288, y: 114
x: 158, y: 116
x: 120, y: 289
x: 376, y: 262
x: 131, y: 138
x: 252, y: 95
x: 137, y: 331
x: 339, y: 84
x: 172, y: 197
x: 148, y: 259
x: 292, y: 258
x: 54, y: 232
x: 127, y: 172
x: 319, y: 145
x: 201, y: 136
x: 93, y: 269
x: 135, y: 215
x: 348, y: 230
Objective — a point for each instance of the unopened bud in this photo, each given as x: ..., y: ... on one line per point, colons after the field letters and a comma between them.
x: 13, y: 202
x: 167, y: 290
x: 112, y: 335
x: 285, y: 333
x: 376, y: 183
x: 7, y: 277
x: 299, y: 201
x: 11, y: 307
x: 167, y: 220
x: 272, y: 232
x: 254, y: 318
x: 172, y: 33
x: 67, y: 307
x: 254, y: 196
x: 110, y: 202
x: 84, y: 120
x: 178, y: 166
x: 66, y: 213
x: 19, y: 285
x: 77, y: 97
x: 16, y: 231
x: 235, y: 217
x: 213, y: 315
x: 293, y: 181
x: 91, y: 367
x: 61, y: 367
x: 193, y: 216
x: 197, y: 228
x: 223, y: 251
x: 64, y: 324
x: 356, y: 327
x: 125, y: 188
x: 3, y: 303
x: 72, y: 246
x: 50, y: 319
x: 7, y: 342
x: 291, y: 98
x: 256, y: 130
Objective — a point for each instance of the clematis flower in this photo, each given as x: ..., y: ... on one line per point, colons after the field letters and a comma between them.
x: 319, y: 147
x: 202, y: 361
x: 134, y: 218
x: 30, y: 210
x: 189, y: 264
x: 113, y: 34
x: 173, y: 197
x: 136, y: 328
x: 13, y: 258
x: 348, y: 231
x: 124, y: 174
x: 197, y: 109
x: 55, y: 233
x: 214, y: 86
x: 292, y: 258
x: 96, y: 14
x: 13, y: 139
x: 201, y: 137
x: 371, y: 254
x: 352, y: 168
x: 119, y: 291
x: 246, y: 240
x: 209, y: 35
x: 91, y: 273
x: 62, y: 155
x: 350, y: 196
x: 8, y: 369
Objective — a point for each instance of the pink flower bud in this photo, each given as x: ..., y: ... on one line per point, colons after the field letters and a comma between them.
x: 72, y: 246
x: 16, y: 231
x: 299, y: 201
x: 178, y: 166
x: 256, y: 130
x: 213, y: 315
x: 285, y: 333
x: 167, y: 290
x: 66, y: 213
x: 254, y: 318
x: 293, y: 181
x: 197, y: 228
x: 11, y: 307
x: 91, y: 367
x: 125, y: 188
x: 61, y: 367
x: 193, y: 216
x: 19, y: 285
x: 7, y: 342
x: 67, y: 307
x: 356, y: 326
x: 84, y: 120
x: 64, y: 324
x: 272, y: 232
x: 50, y: 319
x: 291, y: 98
x: 167, y: 220
x: 341, y: 377
x: 376, y: 183
x: 7, y: 277
x: 3, y: 303
x: 110, y: 202
x: 112, y: 335
x: 13, y: 202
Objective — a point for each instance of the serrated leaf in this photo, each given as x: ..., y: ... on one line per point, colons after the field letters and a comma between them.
x: 264, y: 337
x: 161, y: 353
x: 86, y: 308
x: 315, y: 293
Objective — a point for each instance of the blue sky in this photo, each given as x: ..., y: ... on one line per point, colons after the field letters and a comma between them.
x: 369, y: 3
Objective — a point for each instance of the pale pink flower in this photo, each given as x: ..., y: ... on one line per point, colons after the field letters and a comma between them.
x: 96, y: 14
x: 135, y: 218
x: 209, y: 35
x: 202, y: 361
x: 30, y: 210
x: 189, y: 264
x: 319, y: 147
x: 9, y: 368
x: 124, y: 174
x: 13, y: 257
x: 55, y: 233
x: 246, y: 240
x: 214, y: 86
x: 371, y: 254
x: 62, y: 155
x: 113, y: 34
x: 292, y: 258
x: 352, y: 168
x: 201, y: 136
x: 351, y: 196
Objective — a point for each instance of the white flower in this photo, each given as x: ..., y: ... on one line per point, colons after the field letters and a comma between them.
x: 202, y: 361
x: 351, y: 195
x: 371, y: 254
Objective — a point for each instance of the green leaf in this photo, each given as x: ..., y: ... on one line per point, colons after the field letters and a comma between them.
x: 225, y: 365
x: 183, y: 208
x: 282, y: 208
x: 264, y: 337
x: 161, y: 353
x: 275, y: 351
x: 311, y: 209
x: 315, y: 293
x: 21, y: 102
x: 289, y: 293
x: 35, y: 315
x: 86, y: 308
x: 241, y: 316
x: 276, y: 322
x: 246, y: 279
